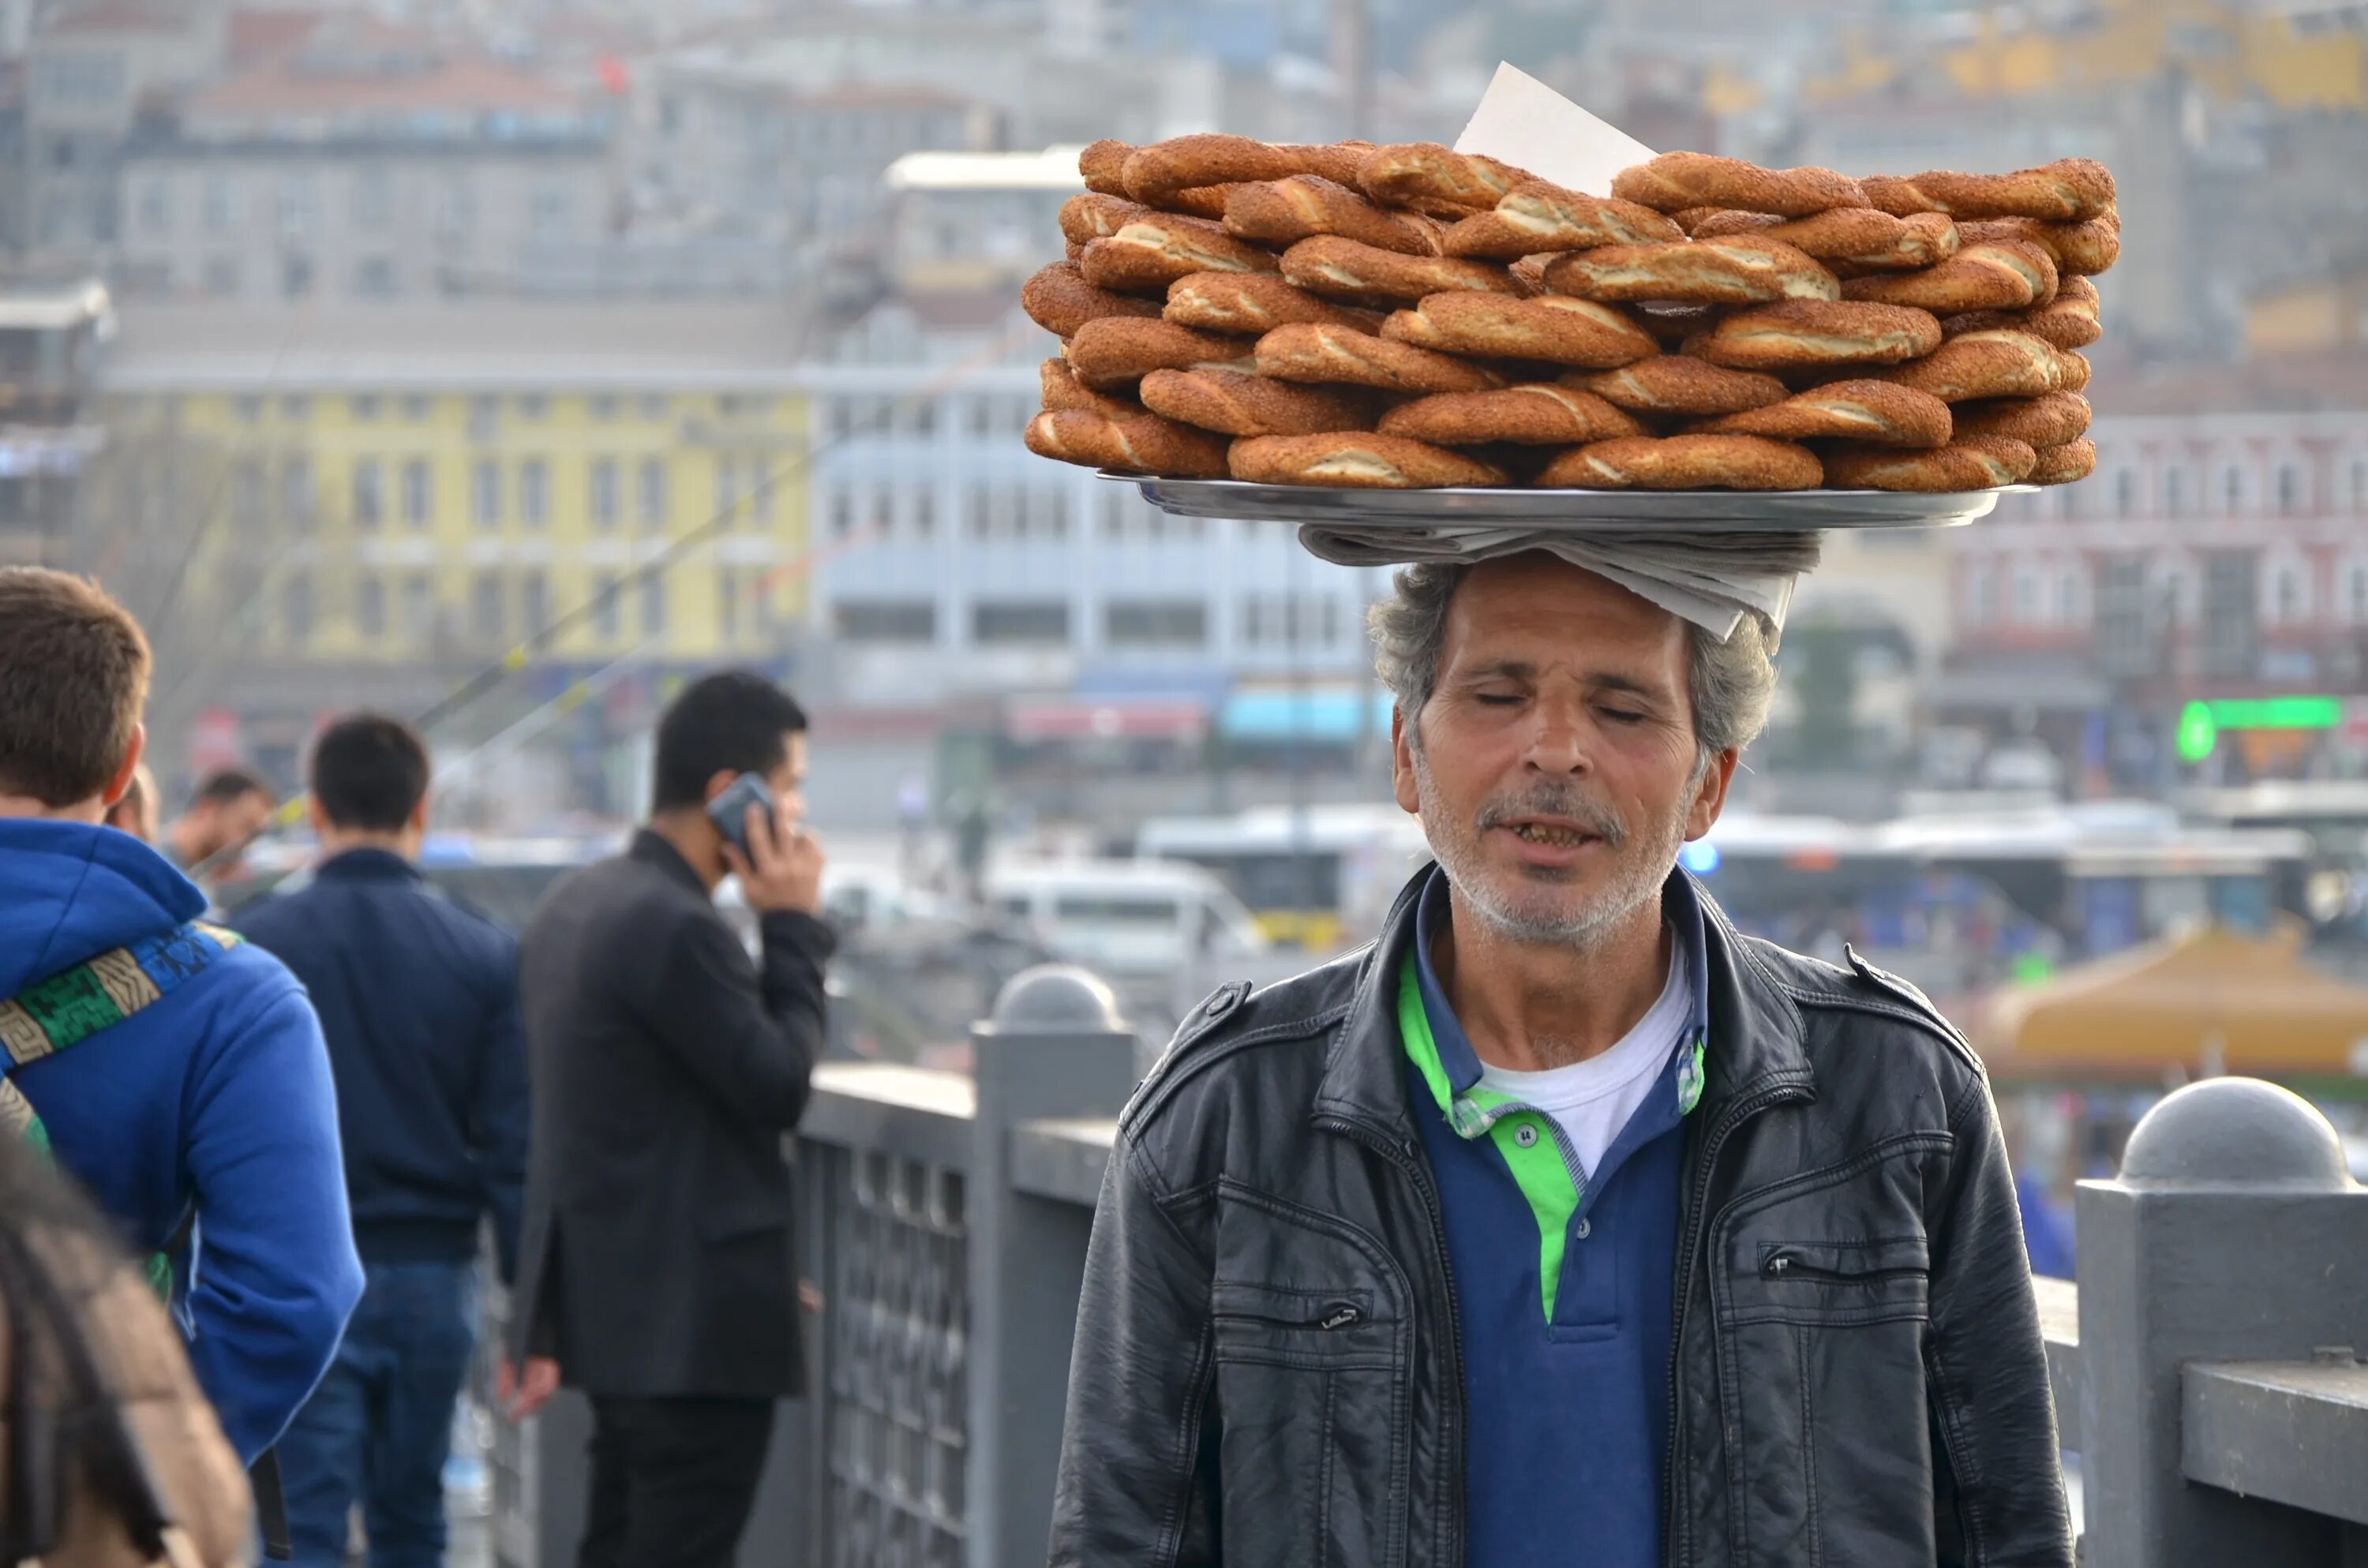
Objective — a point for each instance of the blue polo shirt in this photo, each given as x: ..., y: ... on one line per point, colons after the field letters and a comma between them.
x: 1563, y: 1282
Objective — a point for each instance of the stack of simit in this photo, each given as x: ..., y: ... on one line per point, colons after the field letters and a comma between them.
x: 1411, y: 316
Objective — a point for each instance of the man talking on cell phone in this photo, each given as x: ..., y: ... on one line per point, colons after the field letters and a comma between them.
x: 666, y: 1064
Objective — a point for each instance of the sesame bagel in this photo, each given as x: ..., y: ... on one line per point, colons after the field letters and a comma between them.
x: 2078, y: 250
x: 1742, y: 269
x: 1995, y: 275
x: 1874, y: 412
x: 1146, y: 444
x: 1155, y: 174
x: 1549, y: 329
x: 1684, y: 462
x: 1981, y: 463
x: 1059, y: 300
x: 1361, y: 461
x: 2065, y: 464
x: 2049, y: 420
x: 1340, y: 356
x: 1284, y: 211
x: 1985, y: 364
x: 1533, y: 414
x: 1675, y: 181
x: 1254, y: 302
x: 1539, y: 216
x: 2069, y: 190
x: 1235, y: 402
x: 1805, y: 333
x: 1678, y: 383
x: 1857, y: 238
x: 1118, y: 351
x: 1343, y: 269
x: 1148, y: 253
x: 2068, y: 321
x: 1063, y: 392
x: 1103, y: 165
x: 1091, y: 215
x: 1434, y: 180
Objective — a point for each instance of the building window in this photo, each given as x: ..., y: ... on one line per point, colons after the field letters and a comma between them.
x: 1156, y: 623
x: 884, y: 621
x: 295, y: 407
x: 2290, y: 488
x: 155, y: 205
x: 485, y: 417
x: 761, y: 483
x: 221, y: 276
x: 1289, y: 621
x: 654, y: 602
x: 218, y: 203
x: 295, y: 276
x: 549, y: 207
x: 486, y: 493
x: 369, y: 503
x: 370, y: 605
x: 727, y: 603
x: 419, y: 607
x: 2124, y: 647
x: 727, y: 491
x: 415, y: 407
x: 2126, y: 493
x: 296, y: 493
x: 2359, y: 596
x: 2232, y: 489
x: 604, y: 606
x: 534, y: 405
x: 299, y: 204
x: 604, y: 493
x: 650, y: 495
x: 456, y: 203
x: 362, y: 407
x: 247, y: 494
x: 604, y: 405
x: 653, y: 406
x: 248, y: 407
x: 418, y: 494
x: 534, y: 605
x: 924, y: 514
x: 2026, y: 596
x: 296, y: 609
x: 485, y: 606
x: 2360, y: 485
x: 373, y: 198
x: 2287, y: 586
x: 374, y: 277
x: 534, y: 493
x: 1031, y: 621
x: 2175, y: 498
x: 2231, y: 619
x: 2068, y: 599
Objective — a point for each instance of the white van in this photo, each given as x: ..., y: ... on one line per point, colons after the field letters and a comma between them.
x: 1127, y: 919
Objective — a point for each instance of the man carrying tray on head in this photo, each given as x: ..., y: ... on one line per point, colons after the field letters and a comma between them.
x: 1563, y: 1225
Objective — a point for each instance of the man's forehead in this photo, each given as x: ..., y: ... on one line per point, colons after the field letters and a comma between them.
x: 1533, y: 613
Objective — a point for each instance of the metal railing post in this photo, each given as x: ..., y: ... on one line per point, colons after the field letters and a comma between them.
x: 1054, y: 1048
x: 2232, y: 1233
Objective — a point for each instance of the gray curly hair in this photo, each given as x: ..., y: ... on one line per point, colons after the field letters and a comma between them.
x: 1730, y: 683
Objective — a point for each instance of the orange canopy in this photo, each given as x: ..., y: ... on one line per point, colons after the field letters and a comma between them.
x: 2204, y: 1004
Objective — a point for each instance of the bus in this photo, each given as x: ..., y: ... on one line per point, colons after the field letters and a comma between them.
x: 1315, y: 878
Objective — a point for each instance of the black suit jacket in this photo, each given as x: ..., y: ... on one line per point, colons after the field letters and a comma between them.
x: 666, y: 1067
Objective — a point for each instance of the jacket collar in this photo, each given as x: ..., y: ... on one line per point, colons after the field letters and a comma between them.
x: 1754, y: 1033
x: 651, y: 848
x: 366, y: 864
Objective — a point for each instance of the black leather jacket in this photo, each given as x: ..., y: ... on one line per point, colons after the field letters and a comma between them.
x: 1881, y: 1401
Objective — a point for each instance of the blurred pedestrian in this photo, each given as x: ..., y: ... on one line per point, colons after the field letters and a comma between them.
x: 177, y: 1070
x: 136, y: 812
x: 207, y: 840
x: 130, y: 1468
x: 418, y: 1000
x: 667, y: 1065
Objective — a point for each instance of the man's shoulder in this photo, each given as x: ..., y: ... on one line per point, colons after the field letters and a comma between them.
x: 1247, y: 1044
x: 620, y: 899
x: 1866, y: 1009
x: 217, y: 989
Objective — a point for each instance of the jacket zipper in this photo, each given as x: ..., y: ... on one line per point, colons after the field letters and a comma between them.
x: 1332, y: 1315
x: 1782, y: 1265
x: 1399, y: 1155
x: 1679, y: 1543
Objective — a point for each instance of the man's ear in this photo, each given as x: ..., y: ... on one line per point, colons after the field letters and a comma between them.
x: 717, y: 782
x: 1710, y: 795
x: 419, y: 820
x: 1402, y: 741
x: 121, y: 784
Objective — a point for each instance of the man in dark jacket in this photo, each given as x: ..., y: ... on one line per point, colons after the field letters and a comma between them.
x: 418, y: 998
x: 1562, y: 1224
x: 667, y: 1065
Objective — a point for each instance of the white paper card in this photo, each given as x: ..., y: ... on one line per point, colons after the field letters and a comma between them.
x: 1526, y: 123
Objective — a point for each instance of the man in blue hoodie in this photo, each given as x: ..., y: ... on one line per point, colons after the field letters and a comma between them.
x: 418, y: 998
x: 178, y: 1071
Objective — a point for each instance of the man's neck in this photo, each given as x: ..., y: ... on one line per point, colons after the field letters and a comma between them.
x: 93, y: 811
x: 1530, y: 1007
x: 337, y: 841
x: 695, y: 839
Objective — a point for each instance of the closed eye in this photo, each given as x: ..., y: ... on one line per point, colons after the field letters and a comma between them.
x: 1622, y: 715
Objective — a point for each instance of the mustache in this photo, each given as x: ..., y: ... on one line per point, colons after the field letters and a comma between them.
x: 1563, y: 801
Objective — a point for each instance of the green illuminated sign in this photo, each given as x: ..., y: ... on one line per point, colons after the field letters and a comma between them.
x: 2200, y: 723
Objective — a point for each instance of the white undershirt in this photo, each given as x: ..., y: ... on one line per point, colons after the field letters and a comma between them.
x: 1593, y: 1099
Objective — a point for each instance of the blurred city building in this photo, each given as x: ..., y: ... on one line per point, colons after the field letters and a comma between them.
x: 313, y: 507
x: 51, y: 342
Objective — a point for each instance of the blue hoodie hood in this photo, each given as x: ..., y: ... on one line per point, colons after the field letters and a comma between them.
x: 73, y: 890
x: 214, y: 1097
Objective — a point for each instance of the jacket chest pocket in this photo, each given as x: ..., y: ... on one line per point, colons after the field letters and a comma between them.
x: 1822, y: 1293
x: 1314, y: 1364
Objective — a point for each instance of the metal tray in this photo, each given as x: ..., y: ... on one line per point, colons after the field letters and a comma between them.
x: 1590, y: 511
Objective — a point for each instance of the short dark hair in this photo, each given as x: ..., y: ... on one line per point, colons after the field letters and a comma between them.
x: 368, y: 772
x: 73, y: 677
x: 223, y: 785
x: 733, y: 721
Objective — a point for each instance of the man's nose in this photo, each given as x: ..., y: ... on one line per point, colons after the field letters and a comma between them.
x: 1560, y: 738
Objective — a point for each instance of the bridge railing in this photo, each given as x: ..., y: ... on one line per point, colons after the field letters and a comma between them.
x: 2205, y: 1371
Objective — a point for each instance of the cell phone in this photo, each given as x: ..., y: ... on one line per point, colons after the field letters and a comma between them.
x: 729, y: 810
